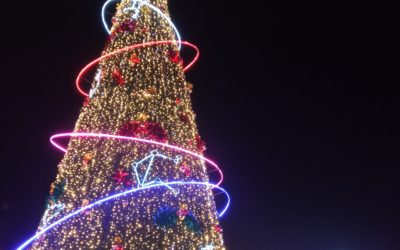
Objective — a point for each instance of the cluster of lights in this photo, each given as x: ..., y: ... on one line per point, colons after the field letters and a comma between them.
x: 155, y: 90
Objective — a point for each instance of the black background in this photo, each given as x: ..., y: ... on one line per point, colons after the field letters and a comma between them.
x: 297, y: 101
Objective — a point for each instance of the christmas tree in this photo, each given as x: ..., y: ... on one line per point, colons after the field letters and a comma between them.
x: 133, y: 175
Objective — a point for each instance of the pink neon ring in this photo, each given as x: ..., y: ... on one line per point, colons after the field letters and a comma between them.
x: 87, y: 67
x: 120, y: 137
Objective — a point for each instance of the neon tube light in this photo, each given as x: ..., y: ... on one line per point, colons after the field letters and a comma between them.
x: 141, y: 45
x: 40, y: 233
x: 178, y: 36
x: 120, y: 137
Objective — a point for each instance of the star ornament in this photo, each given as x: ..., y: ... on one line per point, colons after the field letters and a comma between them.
x: 134, y: 59
x: 120, y: 177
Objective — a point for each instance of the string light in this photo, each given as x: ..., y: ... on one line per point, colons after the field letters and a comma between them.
x: 128, y: 48
x: 120, y: 137
x: 79, y: 211
x: 140, y: 78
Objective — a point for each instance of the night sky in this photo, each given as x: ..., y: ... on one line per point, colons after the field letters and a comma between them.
x: 297, y: 101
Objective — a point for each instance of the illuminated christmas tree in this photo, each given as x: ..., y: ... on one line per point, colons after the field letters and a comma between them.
x: 133, y: 175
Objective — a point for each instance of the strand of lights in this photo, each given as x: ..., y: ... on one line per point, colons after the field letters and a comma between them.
x: 147, y: 185
x: 174, y: 183
x: 120, y: 137
x: 141, y: 45
x: 154, y: 8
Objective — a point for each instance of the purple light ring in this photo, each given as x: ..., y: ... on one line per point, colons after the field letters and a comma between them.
x: 66, y: 217
x: 120, y: 137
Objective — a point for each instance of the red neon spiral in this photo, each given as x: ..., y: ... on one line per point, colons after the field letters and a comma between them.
x: 141, y: 45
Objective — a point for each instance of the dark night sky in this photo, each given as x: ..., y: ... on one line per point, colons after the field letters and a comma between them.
x: 297, y: 101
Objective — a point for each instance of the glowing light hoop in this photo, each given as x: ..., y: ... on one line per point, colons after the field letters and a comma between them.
x: 120, y: 137
x: 99, y: 135
x: 70, y: 215
x: 178, y: 36
x: 141, y: 45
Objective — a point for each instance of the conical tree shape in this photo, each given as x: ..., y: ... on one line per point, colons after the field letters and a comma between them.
x: 138, y: 93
